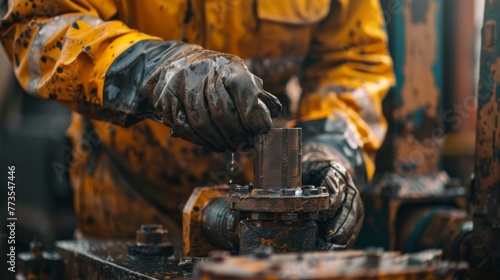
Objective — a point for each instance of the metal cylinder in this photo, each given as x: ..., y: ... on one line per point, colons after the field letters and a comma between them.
x: 219, y: 225
x: 278, y: 159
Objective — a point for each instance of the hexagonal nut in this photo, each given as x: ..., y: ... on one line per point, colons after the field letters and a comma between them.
x: 311, y: 216
x: 151, y: 234
x: 289, y: 217
x: 258, y: 216
x: 236, y: 214
x: 288, y: 192
x: 306, y: 190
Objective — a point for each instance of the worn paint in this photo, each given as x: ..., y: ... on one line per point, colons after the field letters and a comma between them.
x: 414, y: 139
x: 419, y: 90
x: 485, y: 190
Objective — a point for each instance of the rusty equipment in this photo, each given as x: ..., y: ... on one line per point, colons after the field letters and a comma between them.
x: 411, y: 194
x: 369, y: 264
x: 37, y: 264
x: 483, y: 252
x: 277, y: 211
x: 206, y: 222
x: 151, y: 240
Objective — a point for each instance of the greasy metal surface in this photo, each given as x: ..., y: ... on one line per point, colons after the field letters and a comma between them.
x: 371, y: 264
x: 195, y: 242
x: 276, y: 200
x: 484, y: 244
x: 93, y: 259
x: 282, y: 237
x: 278, y: 212
x: 486, y: 191
x: 278, y: 155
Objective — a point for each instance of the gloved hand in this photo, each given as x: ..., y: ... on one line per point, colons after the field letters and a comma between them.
x: 345, y: 216
x: 331, y: 156
x: 208, y: 98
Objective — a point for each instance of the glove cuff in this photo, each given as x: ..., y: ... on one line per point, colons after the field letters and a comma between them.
x: 130, y: 74
x: 314, y: 151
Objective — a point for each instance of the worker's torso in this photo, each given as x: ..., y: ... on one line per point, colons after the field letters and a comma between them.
x: 272, y: 36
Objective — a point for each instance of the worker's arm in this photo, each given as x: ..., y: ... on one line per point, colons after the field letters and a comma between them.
x: 72, y: 51
x: 347, y: 72
x: 346, y: 75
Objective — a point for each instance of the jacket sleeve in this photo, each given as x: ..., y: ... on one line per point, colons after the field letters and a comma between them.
x: 346, y: 74
x: 63, y: 50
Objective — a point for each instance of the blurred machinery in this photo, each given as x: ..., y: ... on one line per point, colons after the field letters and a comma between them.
x: 368, y: 264
x: 259, y: 221
x: 412, y: 203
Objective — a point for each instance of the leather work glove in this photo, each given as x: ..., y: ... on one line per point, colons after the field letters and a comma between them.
x: 208, y: 98
x: 330, y: 156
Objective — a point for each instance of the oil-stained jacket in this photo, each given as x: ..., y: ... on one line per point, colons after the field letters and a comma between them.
x: 73, y: 52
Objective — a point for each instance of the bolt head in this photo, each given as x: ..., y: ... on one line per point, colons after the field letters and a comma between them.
x: 289, y: 217
x: 289, y: 192
x: 151, y: 234
x: 236, y: 214
x: 258, y: 216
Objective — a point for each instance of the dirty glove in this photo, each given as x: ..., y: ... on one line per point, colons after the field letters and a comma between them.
x: 330, y: 158
x: 208, y: 98
x: 344, y: 218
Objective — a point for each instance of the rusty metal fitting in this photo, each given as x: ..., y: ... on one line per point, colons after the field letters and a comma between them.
x: 277, y: 211
x: 299, y: 199
x: 151, y: 240
x: 151, y: 235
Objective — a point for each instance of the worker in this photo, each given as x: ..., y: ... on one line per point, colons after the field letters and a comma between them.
x: 160, y: 88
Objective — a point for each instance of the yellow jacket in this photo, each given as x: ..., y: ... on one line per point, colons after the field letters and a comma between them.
x: 62, y: 50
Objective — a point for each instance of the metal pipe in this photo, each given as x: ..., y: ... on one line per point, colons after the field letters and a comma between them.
x: 278, y: 160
